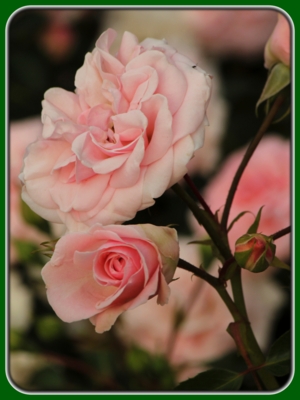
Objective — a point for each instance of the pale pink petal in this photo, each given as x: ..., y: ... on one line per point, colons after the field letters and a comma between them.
x: 134, y: 118
x: 88, y: 81
x: 86, y: 150
x: 106, y: 39
x: 128, y: 48
x: 82, y: 172
x: 139, y: 85
x: 128, y: 174
x: 110, y: 68
x: 99, y: 116
x: 110, y: 164
x: 64, y: 101
x: 104, y: 321
x: 153, y: 187
x: 172, y: 82
x: 73, y: 199
x: 183, y: 151
x: 150, y: 290
x: 198, y: 136
x: 160, y: 124
x: 192, y: 112
x: 41, y: 158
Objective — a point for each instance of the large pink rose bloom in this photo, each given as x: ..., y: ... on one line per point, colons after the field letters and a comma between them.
x: 278, y: 47
x: 123, y: 138
x: 109, y: 269
x: 240, y: 33
x: 265, y: 182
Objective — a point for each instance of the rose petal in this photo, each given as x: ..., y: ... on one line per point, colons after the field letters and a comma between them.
x: 160, y: 124
x: 129, y: 48
x: 88, y: 81
x: 128, y: 174
x: 192, y: 112
x: 104, y: 321
x: 139, y: 85
x: 168, y: 74
x: 72, y: 199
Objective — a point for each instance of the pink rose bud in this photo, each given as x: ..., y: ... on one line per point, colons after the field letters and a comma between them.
x: 254, y: 252
x: 107, y: 270
x: 278, y: 47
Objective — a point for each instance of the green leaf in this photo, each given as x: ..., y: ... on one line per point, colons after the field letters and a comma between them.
x: 279, y: 77
x: 279, y: 264
x: 236, y: 219
x: 279, y: 358
x: 253, y: 228
x: 213, y: 380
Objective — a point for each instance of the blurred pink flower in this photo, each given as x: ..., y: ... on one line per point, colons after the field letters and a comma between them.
x: 21, y: 134
x: 265, y: 182
x: 202, y: 335
x: 58, y: 40
x: 59, y: 37
x: 278, y: 47
x: 233, y: 32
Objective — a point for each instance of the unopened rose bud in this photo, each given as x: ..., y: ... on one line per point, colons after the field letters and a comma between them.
x: 254, y: 252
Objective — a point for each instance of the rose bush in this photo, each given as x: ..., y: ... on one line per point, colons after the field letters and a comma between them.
x: 133, y: 118
x: 265, y: 182
x: 109, y: 269
x: 278, y: 47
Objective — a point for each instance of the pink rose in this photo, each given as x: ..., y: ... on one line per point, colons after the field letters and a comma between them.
x: 278, y: 47
x: 265, y: 182
x: 123, y: 138
x: 241, y: 33
x: 109, y: 269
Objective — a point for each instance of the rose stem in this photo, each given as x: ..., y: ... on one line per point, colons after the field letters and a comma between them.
x: 244, y: 338
x: 281, y: 233
x: 214, y: 282
x: 267, y: 121
x: 196, y: 192
x: 210, y: 224
x: 237, y: 308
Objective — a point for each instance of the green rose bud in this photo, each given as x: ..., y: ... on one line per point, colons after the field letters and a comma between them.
x: 254, y: 252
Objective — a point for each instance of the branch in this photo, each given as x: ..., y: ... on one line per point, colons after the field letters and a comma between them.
x: 281, y: 233
x: 265, y: 125
x: 198, y: 195
x: 217, y: 284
